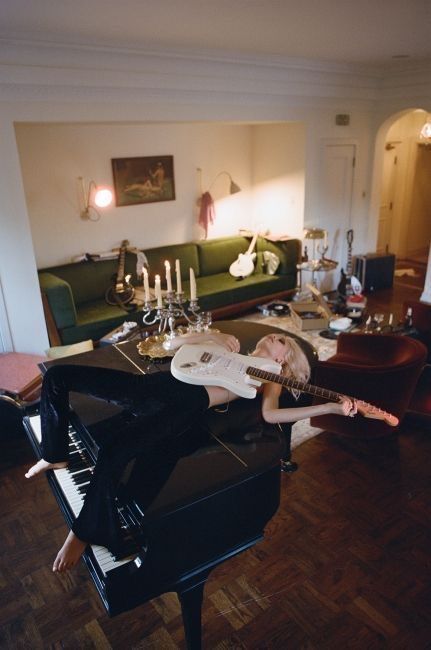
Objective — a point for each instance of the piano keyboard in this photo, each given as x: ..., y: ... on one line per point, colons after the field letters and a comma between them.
x: 73, y: 481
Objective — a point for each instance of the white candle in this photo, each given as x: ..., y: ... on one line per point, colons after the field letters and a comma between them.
x: 178, y: 274
x: 168, y: 276
x: 192, y: 285
x: 158, y: 291
x: 146, y: 284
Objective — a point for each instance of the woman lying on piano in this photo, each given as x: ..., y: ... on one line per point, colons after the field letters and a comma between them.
x: 163, y: 408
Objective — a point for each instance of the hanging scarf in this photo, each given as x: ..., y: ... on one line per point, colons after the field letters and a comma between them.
x: 207, y: 211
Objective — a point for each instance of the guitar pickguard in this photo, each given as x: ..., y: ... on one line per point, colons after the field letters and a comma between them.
x: 213, y: 365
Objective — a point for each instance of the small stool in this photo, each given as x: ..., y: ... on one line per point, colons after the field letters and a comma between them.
x: 20, y: 385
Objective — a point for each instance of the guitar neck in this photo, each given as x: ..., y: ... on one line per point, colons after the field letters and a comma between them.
x: 121, y: 260
x: 349, y: 269
x: 289, y: 382
x: 252, y: 244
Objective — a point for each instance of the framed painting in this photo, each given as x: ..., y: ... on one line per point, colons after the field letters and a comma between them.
x: 143, y: 180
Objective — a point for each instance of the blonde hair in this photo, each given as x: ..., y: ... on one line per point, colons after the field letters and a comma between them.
x: 295, y: 361
x: 295, y: 364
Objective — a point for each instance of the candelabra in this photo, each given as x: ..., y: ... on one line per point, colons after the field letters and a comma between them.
x: 166, y: 313
x: 171, y: 308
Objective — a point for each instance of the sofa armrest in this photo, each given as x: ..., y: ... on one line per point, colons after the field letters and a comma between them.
x: 60, y: 299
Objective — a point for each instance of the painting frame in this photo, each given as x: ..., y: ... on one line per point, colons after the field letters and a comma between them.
x: 143, y: 179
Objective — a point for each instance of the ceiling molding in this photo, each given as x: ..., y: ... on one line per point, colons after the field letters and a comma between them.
x: 16, y: 49
x: 33, y: 70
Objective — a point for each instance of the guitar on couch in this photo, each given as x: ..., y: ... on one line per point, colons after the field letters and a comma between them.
x: 244, y: 265
x: 121, y: 292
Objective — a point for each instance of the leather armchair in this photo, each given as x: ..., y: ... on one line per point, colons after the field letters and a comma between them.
x: 377, y: 368
x: 421, y: 317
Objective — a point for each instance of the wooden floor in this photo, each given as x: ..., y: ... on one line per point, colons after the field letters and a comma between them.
x: 346, y: 561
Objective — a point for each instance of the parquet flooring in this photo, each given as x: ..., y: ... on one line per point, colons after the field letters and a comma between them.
x: 345, y: 563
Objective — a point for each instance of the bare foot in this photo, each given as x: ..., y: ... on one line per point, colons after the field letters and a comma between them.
x: 42, y: 466
x: 69, y: 554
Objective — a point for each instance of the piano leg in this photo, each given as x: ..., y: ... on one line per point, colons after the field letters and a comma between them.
x: 191, y: 607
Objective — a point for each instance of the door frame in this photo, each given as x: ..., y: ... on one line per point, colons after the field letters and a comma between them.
x: 342, y: 142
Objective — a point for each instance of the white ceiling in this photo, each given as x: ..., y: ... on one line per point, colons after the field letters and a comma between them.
x: 350, y: 31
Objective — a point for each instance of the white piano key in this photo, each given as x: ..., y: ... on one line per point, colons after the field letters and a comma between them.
x: 35, y: 425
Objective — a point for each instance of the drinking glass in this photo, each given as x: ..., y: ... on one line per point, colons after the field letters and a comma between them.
x: 378, y: 318
x: 205, y: 320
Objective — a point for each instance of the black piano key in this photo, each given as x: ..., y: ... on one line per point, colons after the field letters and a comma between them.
x: 83, y: 477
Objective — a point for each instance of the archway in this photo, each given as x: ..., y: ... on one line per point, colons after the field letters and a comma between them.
x: 403, y: 215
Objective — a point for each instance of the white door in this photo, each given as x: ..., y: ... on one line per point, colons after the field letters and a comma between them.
x: 336, y: 193
x: 387, y: 200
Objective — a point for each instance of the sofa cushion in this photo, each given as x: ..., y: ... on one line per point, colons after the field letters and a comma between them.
x: 216, y: 255
x: 186, y: 253
x: 95, y: 319
x: 221, y: 289
x: 90, y: 280
x: 287, y: 251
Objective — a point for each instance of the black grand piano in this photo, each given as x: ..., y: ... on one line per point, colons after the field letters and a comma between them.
x: 188, y: 505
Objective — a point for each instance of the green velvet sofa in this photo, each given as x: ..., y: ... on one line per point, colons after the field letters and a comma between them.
x: 73, y: 294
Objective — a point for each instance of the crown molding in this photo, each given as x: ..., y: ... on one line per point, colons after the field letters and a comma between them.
x: 31, y: 69
x: 38, y: 49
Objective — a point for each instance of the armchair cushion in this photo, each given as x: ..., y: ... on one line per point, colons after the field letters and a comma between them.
x: 380, y: 369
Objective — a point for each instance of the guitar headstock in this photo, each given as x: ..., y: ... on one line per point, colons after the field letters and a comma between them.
x: 376, y: 413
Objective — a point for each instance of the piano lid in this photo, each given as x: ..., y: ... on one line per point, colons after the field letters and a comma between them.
x: 170, y: 475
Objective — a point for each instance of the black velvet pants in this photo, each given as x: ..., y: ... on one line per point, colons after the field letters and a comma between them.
x: 163, y: 407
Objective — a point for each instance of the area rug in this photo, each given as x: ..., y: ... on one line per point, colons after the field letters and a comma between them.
x: 325, y: 348
x: 410, y: 273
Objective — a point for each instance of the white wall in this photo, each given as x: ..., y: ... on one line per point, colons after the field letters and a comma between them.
x: 279, y: 178
x: 53, y: 156
x: 23, y: 324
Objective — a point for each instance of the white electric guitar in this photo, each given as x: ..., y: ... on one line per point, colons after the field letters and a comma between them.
x: 213, y: 365
x: 244, y: 265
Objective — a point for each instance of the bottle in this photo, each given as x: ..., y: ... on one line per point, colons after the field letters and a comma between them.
x: 408, y: 318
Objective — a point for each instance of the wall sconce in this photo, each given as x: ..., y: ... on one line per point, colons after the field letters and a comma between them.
x: 425, y: 134
x: 234, y: 188
x: 92, y: 198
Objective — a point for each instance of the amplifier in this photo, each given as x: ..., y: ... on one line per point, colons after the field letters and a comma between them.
x: 374, y: 271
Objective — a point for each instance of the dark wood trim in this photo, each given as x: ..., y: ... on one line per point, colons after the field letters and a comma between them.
x: 53, y: 333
